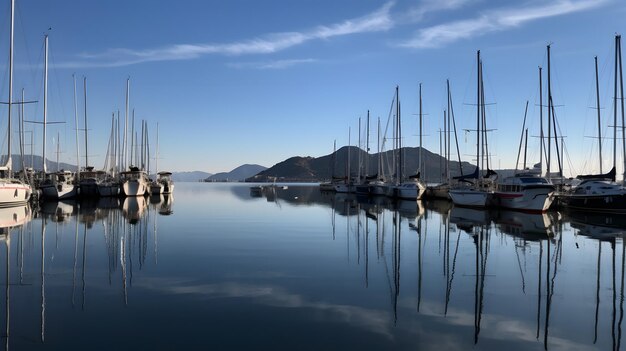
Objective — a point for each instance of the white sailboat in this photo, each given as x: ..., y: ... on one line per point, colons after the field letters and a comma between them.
x: 58, y: 185
x: 164, y: 183
x: 108, y: 185
x: 412, y: 188
x: 477, y: 194
x: 13, y: 192
x: 601, y: 192
x: 134, y: 182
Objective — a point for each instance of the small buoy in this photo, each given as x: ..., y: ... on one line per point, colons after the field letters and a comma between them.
x: 295, y: 198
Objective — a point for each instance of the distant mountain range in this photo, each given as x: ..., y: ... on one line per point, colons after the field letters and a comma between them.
x: 304, y: 169
x: 336, y: 165
x: 236, y: 175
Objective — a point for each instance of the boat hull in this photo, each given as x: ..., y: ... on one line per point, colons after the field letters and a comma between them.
x: 134, y: 188
x: 535, y: 200
x: 59, y: 191
x: 409, y: 191
x: 156, y: 189
x: 108, y: 190
x: 470, y: 197
x: 600, y: 203
x: 14, y: 193
x: 89, y: 188
x: 439, y: 191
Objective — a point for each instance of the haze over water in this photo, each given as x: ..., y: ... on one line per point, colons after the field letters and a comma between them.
x: 215, y: 267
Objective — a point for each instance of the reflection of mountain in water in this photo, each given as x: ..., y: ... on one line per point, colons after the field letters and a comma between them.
x: 343, y: 204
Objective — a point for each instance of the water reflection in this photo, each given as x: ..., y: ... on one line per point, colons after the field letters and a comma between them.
x: 57, y: 239
x: 369, y: 273
x: 542, y: 254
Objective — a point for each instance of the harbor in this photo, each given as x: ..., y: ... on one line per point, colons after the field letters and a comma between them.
x: 167, y: 180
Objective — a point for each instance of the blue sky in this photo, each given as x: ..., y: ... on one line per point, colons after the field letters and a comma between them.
x: 233, y: 82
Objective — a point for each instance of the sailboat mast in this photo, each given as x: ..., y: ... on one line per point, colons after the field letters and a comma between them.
x: 448, y: 136
x: 549, y: 115
x: 58, y: 149
x: 156, y: 160
x: 598, y: 110
x: 519, y: 151
x: 358, y: 172
x: 125, y: 141
x: 421, y: 167
x: 367, y: 146
x: 400, y: 158
x: 478, y: 108
x: 133, y: 138
x: 349, y: 176
x: 615, y: 106
x: 380, y: 165
x: 540, y: 119
x: 76, y: 123
x: 86, y: 148
x: 621, y: 95
x: 525, y: 147
x: 45, y: 101
x: 8, y: 163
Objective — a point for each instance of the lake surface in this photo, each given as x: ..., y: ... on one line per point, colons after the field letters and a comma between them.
x: 218, y: 267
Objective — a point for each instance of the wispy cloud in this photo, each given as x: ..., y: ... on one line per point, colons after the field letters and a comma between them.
x: 493, y: 21
x: 418, y: 12
x: 377, y: 21
x: 276, y: 64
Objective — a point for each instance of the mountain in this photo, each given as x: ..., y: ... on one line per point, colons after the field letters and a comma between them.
x: 192, y: 176
x: 236, y: 175
x: 323, y: 168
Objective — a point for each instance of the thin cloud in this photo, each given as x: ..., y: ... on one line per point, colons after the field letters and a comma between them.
x: 417, y: 13
x: 377, y: 21
x: 277, y: 64
x: 493, y: 21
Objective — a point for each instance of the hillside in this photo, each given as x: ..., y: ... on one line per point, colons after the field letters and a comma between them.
x: 323, y: 168
x: 236, y: 175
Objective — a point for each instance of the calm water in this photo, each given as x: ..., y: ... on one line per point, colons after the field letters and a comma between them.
x: 217, y: 268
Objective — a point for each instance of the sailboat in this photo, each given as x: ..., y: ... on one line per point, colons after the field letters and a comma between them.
x: 108, y: 186
x: 602, y: 192
x: 330, y: 186
x: 89, y: 177
x: 440, y: 191
x: 61, y: 184
x: 134, y: 181
x: 527, y: 190
x: 412, y: 188
x: 13, y: 191
x: 479, y: 193
x: 164, y: 183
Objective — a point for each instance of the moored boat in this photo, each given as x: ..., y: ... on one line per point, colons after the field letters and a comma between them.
x: 59, y: 185
x: 524, y: 192
x: 134, y: 182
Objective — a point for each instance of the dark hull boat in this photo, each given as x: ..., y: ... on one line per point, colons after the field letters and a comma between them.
x: 606, y: 202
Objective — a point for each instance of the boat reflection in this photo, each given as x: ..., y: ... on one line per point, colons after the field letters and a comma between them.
x: 11, y: 218
x: 527, y: 226
x: 606, y: 229
x: 133, y: 208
